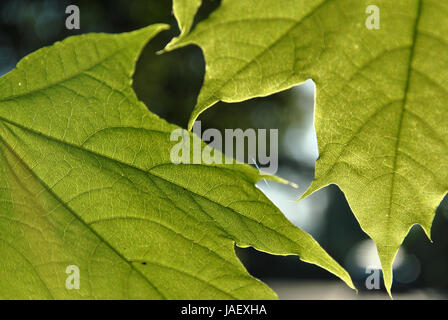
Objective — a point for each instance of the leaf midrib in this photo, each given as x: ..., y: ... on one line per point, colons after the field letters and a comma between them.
x: 403, y: 108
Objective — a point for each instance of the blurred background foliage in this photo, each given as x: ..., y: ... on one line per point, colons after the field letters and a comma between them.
x: 169, y: 84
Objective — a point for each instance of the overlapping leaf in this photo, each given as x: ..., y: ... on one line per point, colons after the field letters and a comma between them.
x: 381, y: 114
x: 86, y: 180
x: 184, y: 11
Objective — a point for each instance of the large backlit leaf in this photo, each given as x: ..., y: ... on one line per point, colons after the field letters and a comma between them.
x: 381, y: 114
x: 86, y: 180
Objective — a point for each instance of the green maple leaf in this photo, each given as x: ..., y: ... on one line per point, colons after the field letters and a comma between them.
x: 86, y: 180
x: 381, y: 112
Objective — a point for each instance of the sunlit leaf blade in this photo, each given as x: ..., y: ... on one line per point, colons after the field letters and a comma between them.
x: 184, y: 11
x: 381, y: 113
x: 86, y: 180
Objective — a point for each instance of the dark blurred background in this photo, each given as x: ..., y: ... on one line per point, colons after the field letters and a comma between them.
x: 169, y: 84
